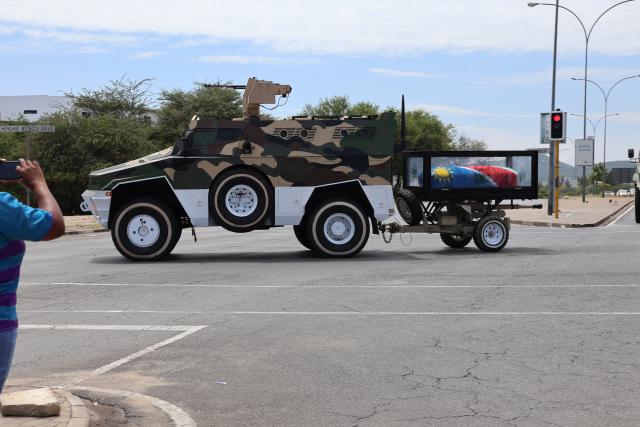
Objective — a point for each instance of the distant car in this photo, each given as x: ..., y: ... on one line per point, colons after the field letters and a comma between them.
x: 609, y: 193
x: 623, y: 193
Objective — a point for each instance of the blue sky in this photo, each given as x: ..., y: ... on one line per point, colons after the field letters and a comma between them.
x: 484, y: 66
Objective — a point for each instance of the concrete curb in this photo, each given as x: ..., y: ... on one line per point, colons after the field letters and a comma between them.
x: 73, y: 233
x: 149, y: 410
x: 598, y: 223
x: 79, y: 413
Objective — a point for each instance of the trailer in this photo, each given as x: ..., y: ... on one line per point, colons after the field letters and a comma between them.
x: 463, y: 195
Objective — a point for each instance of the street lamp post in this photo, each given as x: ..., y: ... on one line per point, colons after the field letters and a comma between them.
x: 584, y: 168
x: 587, y: 37
x: 606, y: 105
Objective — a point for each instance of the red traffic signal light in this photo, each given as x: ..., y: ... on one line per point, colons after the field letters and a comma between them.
x: 558, y: 126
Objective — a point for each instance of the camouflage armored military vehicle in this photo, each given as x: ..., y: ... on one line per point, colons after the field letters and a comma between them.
x: 329, y: 177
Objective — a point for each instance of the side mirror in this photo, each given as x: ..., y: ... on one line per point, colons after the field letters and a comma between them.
x: 630, y: 153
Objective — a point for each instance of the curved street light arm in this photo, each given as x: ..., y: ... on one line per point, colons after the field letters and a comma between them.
x: 604, y: 13
x: 620, y: 81
x: 591, y: 81
x: 574, y: 14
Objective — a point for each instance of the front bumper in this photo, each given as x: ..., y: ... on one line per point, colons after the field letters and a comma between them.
x: 98, y: 203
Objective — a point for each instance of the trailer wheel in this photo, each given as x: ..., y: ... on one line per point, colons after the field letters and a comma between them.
x: 145, y: 230
x: 241, y: 200
x: 337, y: 228
x: 491, y: 234
x: 456, y: 241
x: 637, y: 203
x: 301, y: 235
x: 409, y: 206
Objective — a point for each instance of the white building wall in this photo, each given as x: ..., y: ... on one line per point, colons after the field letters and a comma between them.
x: 32, y: 107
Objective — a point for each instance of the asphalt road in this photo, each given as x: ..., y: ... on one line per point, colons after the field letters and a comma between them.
x: 253, y: 330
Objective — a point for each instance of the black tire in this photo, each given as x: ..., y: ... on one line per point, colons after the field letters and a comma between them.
x: 491, y: 234
x: 352, y: 227
x: 456, y: 241
x: 301, y: 235
x: 137, y: 218
x: 247, y: 212
x: 637, y: 203
x: 409, y: 206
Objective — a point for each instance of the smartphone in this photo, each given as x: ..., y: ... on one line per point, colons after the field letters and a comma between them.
x: 8, y: 171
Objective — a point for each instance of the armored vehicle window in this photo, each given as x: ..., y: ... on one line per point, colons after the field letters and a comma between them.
x: 229, y: 134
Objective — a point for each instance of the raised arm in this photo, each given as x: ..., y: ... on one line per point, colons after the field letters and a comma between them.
x: 33, y: 178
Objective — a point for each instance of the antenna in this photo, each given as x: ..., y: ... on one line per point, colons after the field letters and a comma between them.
x: 403, y: 126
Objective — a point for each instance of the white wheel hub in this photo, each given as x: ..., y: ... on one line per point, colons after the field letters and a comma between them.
x: 241, y: 200
x: 339, y: 228
x: 143, y: 231
x: 493, y: 234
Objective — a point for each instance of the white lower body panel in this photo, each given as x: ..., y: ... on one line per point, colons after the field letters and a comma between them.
x: 98, y: 203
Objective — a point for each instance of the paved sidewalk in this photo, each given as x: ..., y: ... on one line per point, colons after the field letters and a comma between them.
x: 573, y: 213
x: 73, y: 413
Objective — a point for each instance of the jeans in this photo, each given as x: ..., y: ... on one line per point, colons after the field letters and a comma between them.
x: 7, y: 345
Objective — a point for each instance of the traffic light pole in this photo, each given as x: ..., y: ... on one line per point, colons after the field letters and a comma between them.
x: 552, y: 201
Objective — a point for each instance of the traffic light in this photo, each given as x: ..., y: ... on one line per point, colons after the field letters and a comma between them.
x: 558, y: 125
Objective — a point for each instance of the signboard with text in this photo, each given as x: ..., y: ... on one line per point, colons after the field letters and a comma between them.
x: 584, y: 152
x: 27, y: 128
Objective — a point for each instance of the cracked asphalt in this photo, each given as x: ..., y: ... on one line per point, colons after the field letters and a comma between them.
x: 543, y: 333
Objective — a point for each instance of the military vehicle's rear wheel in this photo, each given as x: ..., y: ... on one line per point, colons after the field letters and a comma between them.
x: 456, y: 241
x: 301, y: 235
x: 337, y: 228
x: 491, y: 234
x: 637, y: 202
x: 145, y: 230
x: 409, y: 206
x: 241, y: 200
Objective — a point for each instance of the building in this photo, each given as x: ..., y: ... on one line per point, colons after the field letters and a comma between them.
x: 621, y: 175
x: 31, y: 107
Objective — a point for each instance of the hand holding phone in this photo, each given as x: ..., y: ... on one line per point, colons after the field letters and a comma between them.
x: 8, y: 171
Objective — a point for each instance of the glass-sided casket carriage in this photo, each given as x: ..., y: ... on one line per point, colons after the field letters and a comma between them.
x: 463, y: 195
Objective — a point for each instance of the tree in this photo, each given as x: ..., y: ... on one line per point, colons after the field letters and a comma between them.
x: 179, y: 106
x: 464, y: 143
x: 597, y: 173
x: 122, y: 98
x: 425, y: 131
x: 340, y: 106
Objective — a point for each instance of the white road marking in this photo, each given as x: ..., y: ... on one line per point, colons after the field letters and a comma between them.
x: 110, y: 327
x: 620, y: 216
x: 173, y: 285
x: 361, y: 313
x: 186, y: 331
x: 179, y: 417
x: 114, y: 311
x: 151, y: 348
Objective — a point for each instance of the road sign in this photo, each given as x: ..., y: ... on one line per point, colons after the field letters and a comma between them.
x: 584, y: 152
x: 27, y: 128
x: 545, y: 128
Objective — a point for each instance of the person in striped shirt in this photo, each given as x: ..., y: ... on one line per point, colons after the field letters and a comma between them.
x: 18, y: 223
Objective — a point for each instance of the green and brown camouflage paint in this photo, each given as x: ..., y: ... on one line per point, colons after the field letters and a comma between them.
x: 295, y: 152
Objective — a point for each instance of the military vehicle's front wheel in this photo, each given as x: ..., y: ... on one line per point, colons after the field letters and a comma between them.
x: 241, y: 200
x: 145, y: 230
x: 337, y: 228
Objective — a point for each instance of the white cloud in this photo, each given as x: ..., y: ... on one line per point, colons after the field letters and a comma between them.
x: 148, y: 54
x: 253, y: 59
x: 362, y: 27
x: 401, y: 73
x: 461, y: 111
x: 566, y: 73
